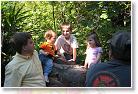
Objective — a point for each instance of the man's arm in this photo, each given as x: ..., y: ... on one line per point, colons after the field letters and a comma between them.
x: 13, y: 78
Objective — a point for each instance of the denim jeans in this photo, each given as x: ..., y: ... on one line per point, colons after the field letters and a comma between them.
x: 47, y: 64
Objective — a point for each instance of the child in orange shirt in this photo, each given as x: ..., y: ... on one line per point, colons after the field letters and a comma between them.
x: 47, y: 52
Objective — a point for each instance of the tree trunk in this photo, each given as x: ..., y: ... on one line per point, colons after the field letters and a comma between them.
x: 67, y: 76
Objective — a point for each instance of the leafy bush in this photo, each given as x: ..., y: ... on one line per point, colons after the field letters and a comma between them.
x: 39, y: 16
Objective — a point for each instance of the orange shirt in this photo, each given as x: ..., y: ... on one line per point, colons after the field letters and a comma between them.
x: 47, y: 47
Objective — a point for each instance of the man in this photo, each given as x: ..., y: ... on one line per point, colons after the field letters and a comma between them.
x: 25, y: 69
x: 117, y: 71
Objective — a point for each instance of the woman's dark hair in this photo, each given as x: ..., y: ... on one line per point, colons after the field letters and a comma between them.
x: 94, y: 36
x: 20, y: 39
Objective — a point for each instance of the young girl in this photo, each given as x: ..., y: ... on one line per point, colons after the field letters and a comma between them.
x: 93, y: 51
x: 47, y: 53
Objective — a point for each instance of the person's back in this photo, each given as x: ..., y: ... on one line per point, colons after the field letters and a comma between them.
x: 117, y: 71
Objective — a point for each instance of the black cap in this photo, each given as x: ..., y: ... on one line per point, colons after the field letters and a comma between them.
x: 121, y: 45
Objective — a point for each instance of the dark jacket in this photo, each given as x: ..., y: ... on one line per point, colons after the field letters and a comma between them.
x: 114, y: 72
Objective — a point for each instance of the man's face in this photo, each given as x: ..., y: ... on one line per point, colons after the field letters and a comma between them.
x: 29, y: 48
x: 66, y: 31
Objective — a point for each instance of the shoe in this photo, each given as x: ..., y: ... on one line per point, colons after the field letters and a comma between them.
x: 46, y: 79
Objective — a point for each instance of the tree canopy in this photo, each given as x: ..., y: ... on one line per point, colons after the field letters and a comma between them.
x: 36, y: 17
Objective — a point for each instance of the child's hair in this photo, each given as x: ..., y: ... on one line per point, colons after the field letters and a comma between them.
x: 49, y: 34
x: 66, y: 24
x: 94, y: 36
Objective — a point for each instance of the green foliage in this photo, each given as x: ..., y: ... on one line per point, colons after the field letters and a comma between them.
x: 38, y: 16
x: 12, y: 20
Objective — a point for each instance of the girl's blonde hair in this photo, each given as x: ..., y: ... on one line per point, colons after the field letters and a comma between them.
x: 49, y: 34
